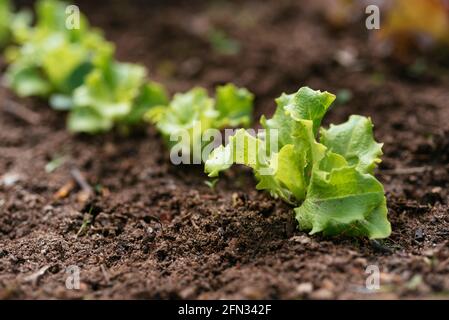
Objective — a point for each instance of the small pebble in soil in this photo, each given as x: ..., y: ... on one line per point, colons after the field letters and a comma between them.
x: 304, y: 288
x: 322, y: 294
x: 419, y: 234
x: 300, y: 239
x: 187, y: 293
x: 9, y: 179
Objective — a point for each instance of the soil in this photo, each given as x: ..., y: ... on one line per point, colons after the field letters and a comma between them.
x: 153, y: 230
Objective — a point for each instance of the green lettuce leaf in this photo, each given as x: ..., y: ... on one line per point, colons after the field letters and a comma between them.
x: 27, y: 80
x: 354, y: 140
x: 344, y: 202
x: 273, y: 171
x: 61, y: 60
x: 111, y: 90
x: 113, y: 93
x: 194, y: 112
x: 6, y: 17
x: 306, y: 104
x: 191, y: 112
x: 151, y: 95
x: 234, y: 106
x: 21, y: 26
x: 58, y: 57
x: 243, y: 148
x: 88, y: 120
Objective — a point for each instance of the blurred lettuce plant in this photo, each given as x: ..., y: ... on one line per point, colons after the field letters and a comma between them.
x: 6, y: 16
x: 113, y: 93
x: 50, y: 58
x: 193, y: 113
x: 75, y: 68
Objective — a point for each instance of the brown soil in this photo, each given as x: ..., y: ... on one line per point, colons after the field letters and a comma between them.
x: 157, y: 231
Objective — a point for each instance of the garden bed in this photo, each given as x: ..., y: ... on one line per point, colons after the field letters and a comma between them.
x: 155, y: 230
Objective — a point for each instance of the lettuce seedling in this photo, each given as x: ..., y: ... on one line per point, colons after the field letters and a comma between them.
x: 76, y: 69
x: 330, y: 181
x: 113, y: 93
x: 48, y: 57
x: 194, y: 112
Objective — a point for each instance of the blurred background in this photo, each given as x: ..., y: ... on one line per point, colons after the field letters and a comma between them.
x: 278, y: 46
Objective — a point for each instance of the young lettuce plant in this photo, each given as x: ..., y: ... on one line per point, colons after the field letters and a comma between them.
x: 113, y: 94
x: 189, y: 115
x: 48, y: 58
x: 76, y: 70
x: 330, y: 181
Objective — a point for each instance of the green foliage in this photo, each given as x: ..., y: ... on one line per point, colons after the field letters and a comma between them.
x: 113, y: 93
x: 5, y: 21
x: 330, y: 181
x: 344, y: 201
x: 194, y: 112
x: 48, y: 57
x: 76, y: 70
x: 354, y: 140
x: 234, y: 106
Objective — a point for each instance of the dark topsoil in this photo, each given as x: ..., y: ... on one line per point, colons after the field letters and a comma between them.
x: 157, y: 231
